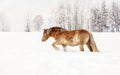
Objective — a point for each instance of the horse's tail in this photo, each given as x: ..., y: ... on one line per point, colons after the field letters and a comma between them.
x: 93, y: 44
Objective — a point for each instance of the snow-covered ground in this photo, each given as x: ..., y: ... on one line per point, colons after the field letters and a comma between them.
x: 25, y: 54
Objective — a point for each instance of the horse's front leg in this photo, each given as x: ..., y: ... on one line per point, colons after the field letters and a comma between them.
x: 54, y: 45
x: 81, y: 47
x: 64, y: 47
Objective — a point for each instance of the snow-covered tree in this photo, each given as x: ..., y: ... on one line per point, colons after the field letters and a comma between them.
x: 77, y: 15
x: 59, y: 15
x: 38, y: 22
x: 104, y: 18
x: 28, y: 23
x: 95, y: 20
x: 27, y: 28
x: 115, y: 18
x: 68, y: 15
x: 99, y: 17
x: 4, y: 26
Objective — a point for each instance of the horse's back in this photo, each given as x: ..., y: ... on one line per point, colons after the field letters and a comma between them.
x: 70, y: 33
x: 57, y: 28
x: 83, y: 31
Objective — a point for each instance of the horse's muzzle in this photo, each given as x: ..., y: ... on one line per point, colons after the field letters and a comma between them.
x: 42, y: 40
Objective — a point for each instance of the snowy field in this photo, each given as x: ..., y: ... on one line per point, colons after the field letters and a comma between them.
x: 25, y: 54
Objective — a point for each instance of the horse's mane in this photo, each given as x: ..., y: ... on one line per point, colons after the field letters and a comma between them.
x: 57, y: 29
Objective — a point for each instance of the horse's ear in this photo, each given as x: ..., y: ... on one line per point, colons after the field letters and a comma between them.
x: 45, y: 30
x: 49, y: 30
x: 62, y: 29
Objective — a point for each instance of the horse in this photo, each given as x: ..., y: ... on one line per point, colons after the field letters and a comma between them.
x: 70, y: 38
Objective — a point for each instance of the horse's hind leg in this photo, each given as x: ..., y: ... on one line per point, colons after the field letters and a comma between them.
x: 90, y: 48
x: 81, y: 48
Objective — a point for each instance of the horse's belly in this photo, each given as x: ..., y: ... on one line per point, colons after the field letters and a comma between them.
x: 72, y: 43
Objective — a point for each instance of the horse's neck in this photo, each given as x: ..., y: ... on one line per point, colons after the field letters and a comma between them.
x: 55, y: 36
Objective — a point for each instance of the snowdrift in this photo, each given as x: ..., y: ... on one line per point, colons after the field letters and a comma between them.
x: 25, y: 54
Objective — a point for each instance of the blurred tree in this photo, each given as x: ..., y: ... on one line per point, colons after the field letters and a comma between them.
x: 38, y: 22
x: 115, y: 18
x: 4, y: 26
x: 28, y: 23
x: 68, y: 15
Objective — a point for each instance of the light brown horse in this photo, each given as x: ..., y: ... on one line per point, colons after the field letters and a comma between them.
x: 70, y: 38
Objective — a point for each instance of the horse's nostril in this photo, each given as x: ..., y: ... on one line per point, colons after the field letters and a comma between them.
x: 42, y: 40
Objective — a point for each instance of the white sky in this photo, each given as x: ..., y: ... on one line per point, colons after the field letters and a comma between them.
x: 16, y: 10
x: 41, y: 6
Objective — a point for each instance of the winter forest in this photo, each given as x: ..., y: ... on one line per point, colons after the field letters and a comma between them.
x: 72, y: 15
x: 100, y: 19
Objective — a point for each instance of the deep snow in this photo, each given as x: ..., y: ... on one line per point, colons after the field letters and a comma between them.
x: 25, y: 54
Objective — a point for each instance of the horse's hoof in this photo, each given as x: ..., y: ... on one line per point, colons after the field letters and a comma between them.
x: 56, y: 48
x: 65, y: 51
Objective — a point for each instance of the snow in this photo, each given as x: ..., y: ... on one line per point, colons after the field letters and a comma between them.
x: 25, y: 54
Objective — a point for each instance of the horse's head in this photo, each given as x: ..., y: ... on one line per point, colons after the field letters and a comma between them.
x: 46, y: 34
x: 53, y: 32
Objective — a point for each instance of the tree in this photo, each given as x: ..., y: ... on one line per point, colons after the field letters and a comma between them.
x: 4, y: 26
x: 60, y: 15
x: 104, y: 18
x: 77, y: 16
x: 95, y: 20
x: 115, y: 18
x: 28, y: 23
x: 68, y: 15
x: 38, y: 22
x: 27, y: 28
x: 99, y: 17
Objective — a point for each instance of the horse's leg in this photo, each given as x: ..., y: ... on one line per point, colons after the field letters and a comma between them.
x: 90, y: 48
x: 64, y: 47
x: 54, y: 45
x: 81, y: 47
